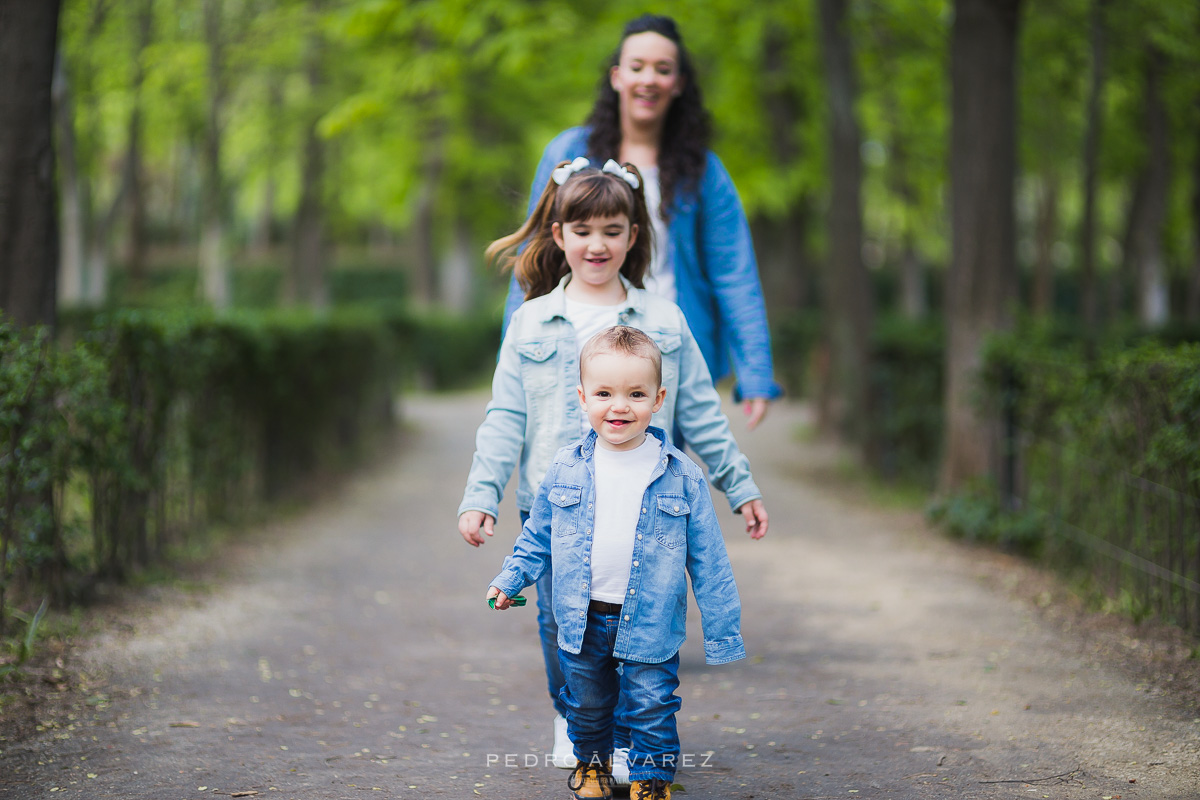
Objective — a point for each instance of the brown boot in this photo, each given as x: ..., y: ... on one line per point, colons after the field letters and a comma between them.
x: 590, y: 782
x: 653, y: 789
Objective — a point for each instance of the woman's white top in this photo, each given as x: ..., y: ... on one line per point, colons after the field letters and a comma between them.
x: 621, y: 480
x: 661, y: 277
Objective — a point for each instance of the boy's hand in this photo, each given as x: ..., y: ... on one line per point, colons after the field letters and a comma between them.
x: 469, y: 524
x: 502, y: 601
x: 756, y: 518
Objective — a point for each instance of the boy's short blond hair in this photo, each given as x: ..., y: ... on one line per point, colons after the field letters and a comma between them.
x: 626, y: 341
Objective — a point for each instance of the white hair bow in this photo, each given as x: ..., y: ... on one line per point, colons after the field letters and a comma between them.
x: 613, y: 168
x: 561, y: 174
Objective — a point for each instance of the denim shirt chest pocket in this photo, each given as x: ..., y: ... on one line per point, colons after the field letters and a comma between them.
x: 567, y: 509
x: 539, y: 368
x: 671, y: 521
x: 668, y: 345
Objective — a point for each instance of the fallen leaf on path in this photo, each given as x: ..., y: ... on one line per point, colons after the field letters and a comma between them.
x: 184, y: 724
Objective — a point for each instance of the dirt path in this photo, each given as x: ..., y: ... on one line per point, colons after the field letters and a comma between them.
x: 350, y: 656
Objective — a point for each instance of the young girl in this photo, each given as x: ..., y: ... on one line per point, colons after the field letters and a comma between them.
x: 588, y: 246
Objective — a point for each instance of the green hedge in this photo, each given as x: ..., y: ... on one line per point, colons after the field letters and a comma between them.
x: 1108, y: 460
x: 151, y: 426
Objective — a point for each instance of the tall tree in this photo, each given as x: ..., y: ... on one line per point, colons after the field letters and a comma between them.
x: 28, y: 214
x: 214, y: 261
x: 306, y: 282
x: 981, y: 281
x: 135, y: 257
x: 1148, y: 216
x: 1089, y: 289
x: 71, y: 277
x: 850, y: 307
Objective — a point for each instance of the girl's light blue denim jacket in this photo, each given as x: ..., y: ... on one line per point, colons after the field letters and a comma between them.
x: 717, y: 281
x: 535, y: 409
x: 678, y: 537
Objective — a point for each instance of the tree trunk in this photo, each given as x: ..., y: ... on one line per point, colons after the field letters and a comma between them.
x: 1148, y: 218
x: 1045, y: 237
x: 214, y: 266
x: 307, y: 284
x: 1193, y: 298
x: 850, y: 305
x: 424, y: 221
x: 71, y: 286
x: 308, y: 258
x: 784, y: 259
x: 28, y: 216
x: 914, y: 302
x: 981, y: 280
x: 263, y: 237
x: 1089, y: 288
x: 135, y: 253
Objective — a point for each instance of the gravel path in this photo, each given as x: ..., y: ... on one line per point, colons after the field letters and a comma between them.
x: 348, y: 654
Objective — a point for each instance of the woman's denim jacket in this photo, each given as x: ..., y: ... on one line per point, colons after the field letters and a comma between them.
x: 535, y: 409
x: 717, y: 280
x: 677, y: 538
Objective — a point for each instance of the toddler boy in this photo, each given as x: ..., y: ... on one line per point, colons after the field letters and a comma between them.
x: 626, y: 518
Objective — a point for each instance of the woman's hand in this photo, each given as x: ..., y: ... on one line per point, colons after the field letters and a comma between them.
x: 470, y: 523
x: 756, y: 518
x: 755, y: 409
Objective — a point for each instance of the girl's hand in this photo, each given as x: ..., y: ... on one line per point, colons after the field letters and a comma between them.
x: 469, y: 524
x: 502, y: 601
x: 756, y: 518
x: 755, y: 409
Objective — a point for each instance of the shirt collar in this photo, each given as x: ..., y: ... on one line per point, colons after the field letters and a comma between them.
x: 556, y: 300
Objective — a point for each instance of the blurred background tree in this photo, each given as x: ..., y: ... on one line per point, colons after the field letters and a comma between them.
x: 236, y: 153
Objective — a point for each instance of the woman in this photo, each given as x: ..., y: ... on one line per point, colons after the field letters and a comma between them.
x: 649, y: 112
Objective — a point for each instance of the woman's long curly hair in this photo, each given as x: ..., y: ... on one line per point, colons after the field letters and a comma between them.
x: 687, y: 130
x: 586, y: 194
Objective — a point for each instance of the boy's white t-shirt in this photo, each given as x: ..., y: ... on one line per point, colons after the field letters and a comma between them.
x: 588, y: 320
x: 621, y: 480
x: 660, y: 278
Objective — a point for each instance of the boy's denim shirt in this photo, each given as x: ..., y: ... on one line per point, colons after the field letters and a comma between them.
x: 710, y: 248
x: 678, y: 537
x: 535, y: 410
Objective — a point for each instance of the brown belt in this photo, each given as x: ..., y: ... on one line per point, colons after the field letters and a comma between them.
x: 601, y: 607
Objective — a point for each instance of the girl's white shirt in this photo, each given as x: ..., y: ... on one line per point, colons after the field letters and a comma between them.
x: 660, y: 278
x: 588, y: 320
x: 621, y: 480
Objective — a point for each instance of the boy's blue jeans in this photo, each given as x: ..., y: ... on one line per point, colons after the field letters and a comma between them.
x: 594, y: 682
x: 548, y: 630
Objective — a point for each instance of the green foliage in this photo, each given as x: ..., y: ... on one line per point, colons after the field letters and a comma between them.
x: 978, y: 515
x: 904, y: 432
x: 448, y: 351
x: 1108, y: 453
x: 117, y: 450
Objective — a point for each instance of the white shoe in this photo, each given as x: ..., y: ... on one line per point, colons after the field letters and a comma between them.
x: 563, y: 754
x: 620, y: 766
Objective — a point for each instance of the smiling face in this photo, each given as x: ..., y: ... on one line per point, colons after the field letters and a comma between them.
x: 595, y: 250
x: 620, y: 393
x: 646, y: 78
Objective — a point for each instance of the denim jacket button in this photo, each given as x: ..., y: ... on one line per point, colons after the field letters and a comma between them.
x: 633, y: 591
x: 627, y: 618
x: 676, y: 508
x: 634, y: 563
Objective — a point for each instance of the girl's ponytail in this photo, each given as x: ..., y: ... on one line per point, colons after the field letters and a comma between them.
x: 541, y: 265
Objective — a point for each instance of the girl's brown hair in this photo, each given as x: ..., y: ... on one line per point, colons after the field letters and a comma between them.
x: 586, y: 194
